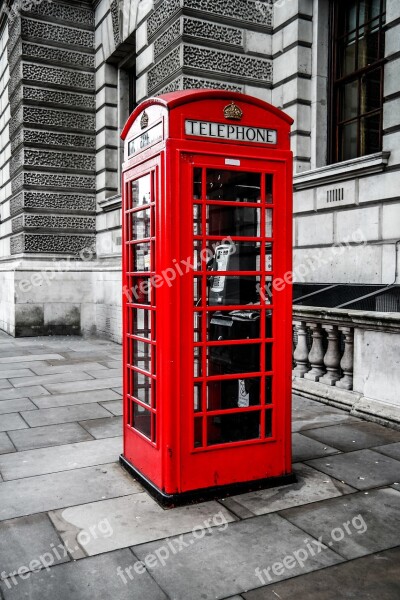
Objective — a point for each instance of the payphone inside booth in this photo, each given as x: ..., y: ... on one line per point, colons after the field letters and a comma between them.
x: 207, y: 331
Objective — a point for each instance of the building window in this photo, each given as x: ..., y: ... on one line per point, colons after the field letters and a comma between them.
x: 358, y: 50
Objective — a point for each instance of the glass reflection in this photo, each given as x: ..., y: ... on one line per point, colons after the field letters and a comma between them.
x: 141, y: 191
x: 235, y: 186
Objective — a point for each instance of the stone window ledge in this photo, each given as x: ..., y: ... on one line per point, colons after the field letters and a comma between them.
x: 112, y: 203
x: 349, y: 169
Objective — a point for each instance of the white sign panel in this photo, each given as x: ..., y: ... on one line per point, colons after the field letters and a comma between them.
x: 149, y: 137
x: 227, y: 131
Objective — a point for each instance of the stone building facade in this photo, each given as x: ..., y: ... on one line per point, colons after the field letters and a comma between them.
x: 70, y: 73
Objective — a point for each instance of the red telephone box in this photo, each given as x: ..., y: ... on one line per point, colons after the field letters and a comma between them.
x: 207, y: 327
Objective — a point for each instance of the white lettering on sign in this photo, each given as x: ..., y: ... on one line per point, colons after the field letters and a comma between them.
x: 225, y: 131
x: 151, y: 136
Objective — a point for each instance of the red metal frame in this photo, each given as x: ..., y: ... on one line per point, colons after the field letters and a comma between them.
x: 166, y: 457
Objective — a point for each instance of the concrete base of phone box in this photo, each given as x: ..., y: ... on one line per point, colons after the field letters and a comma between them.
x: 201, y: 495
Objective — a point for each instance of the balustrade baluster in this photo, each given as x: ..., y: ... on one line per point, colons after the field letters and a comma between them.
x: 301, y: 353
x: 316, y: 355
x: 332, y: 356
x: 346, y: 382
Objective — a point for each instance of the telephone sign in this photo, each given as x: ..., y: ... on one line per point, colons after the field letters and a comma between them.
x: 207, y: 197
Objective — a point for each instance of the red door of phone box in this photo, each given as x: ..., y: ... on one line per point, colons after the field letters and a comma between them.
x: 207, y: 324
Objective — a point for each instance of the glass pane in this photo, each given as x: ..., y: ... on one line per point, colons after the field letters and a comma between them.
x: 197, y: 327
x: 370, y: 134
x: 197, y: 180
x: 225, y: 290
x: 197, y: 362
x: 142, y: 420
x: 233, y: 185
x: 197, y: 291
x: 268, y: 189
x: 234, y: 325
x: 198, y: 432
x: 268, y: 423
x: 141, y: 191
x: 233, y: 221
x: 268, y: 390
x: 233, y: 393
x: 349, y: 101
x: 227, y: 360
x: 197, y: 229
x: 142, y: 322
x: 199, y: 254
x: 368, y: 45
x: 142, y: 355
x: 347, y: 56
x: 141, y: 257
x: 141, y: 224
x: 348, y: 141
x: 268, y: 257
x: 350, y: 16
x: 233, y: 428
x: 268, y: 357
x: 140, y: 290
x: 142, y: 387
x: 268, y: 223
x: 197, y: 404
x: 371, y: 92
x: 233, y: 256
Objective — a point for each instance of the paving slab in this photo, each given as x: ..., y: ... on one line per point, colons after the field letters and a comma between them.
x: 368, y: 578
x: 306, y: 419
x: 29, y: 358
x: 115, y: 407
x: 132, y: 520
x: 104, y: 428
x: 46, y: 369
x: 6, y: 445
x: 59, y: 490
x: 392, y: 450
x: 9, y: 406
x: 34, y: 391
x: 65, y: 414
x: 53, y: 401
x: 304, y: 448
x: 13, y: 366
x: 27, y: 539
x: 12, y: 421
x: 354, y: 436
x: 113, y: 364
x: 104, y: 373
x: 355, y: 525
x: 50, y: 435
x: 93, y: 578
x: 82, y: 386
x: 17, y: 373
x: 311, y: 486
x: 362, y: 469
x: 44, y: 380
x: 40, y: 461
x: 224, y: 561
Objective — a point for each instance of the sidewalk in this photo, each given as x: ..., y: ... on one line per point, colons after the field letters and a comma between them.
x: 75, y: 526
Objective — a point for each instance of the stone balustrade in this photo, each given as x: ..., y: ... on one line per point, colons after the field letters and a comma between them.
x: 348, y: 358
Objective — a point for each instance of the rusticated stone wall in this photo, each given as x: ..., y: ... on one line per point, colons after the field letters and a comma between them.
x: 201, y: 44
x: 52, y: 129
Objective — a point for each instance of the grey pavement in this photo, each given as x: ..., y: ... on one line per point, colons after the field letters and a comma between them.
x: 74, y: 525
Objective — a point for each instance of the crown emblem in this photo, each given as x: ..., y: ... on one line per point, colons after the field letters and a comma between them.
x: 232, y: 111
x: 144, y: 121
